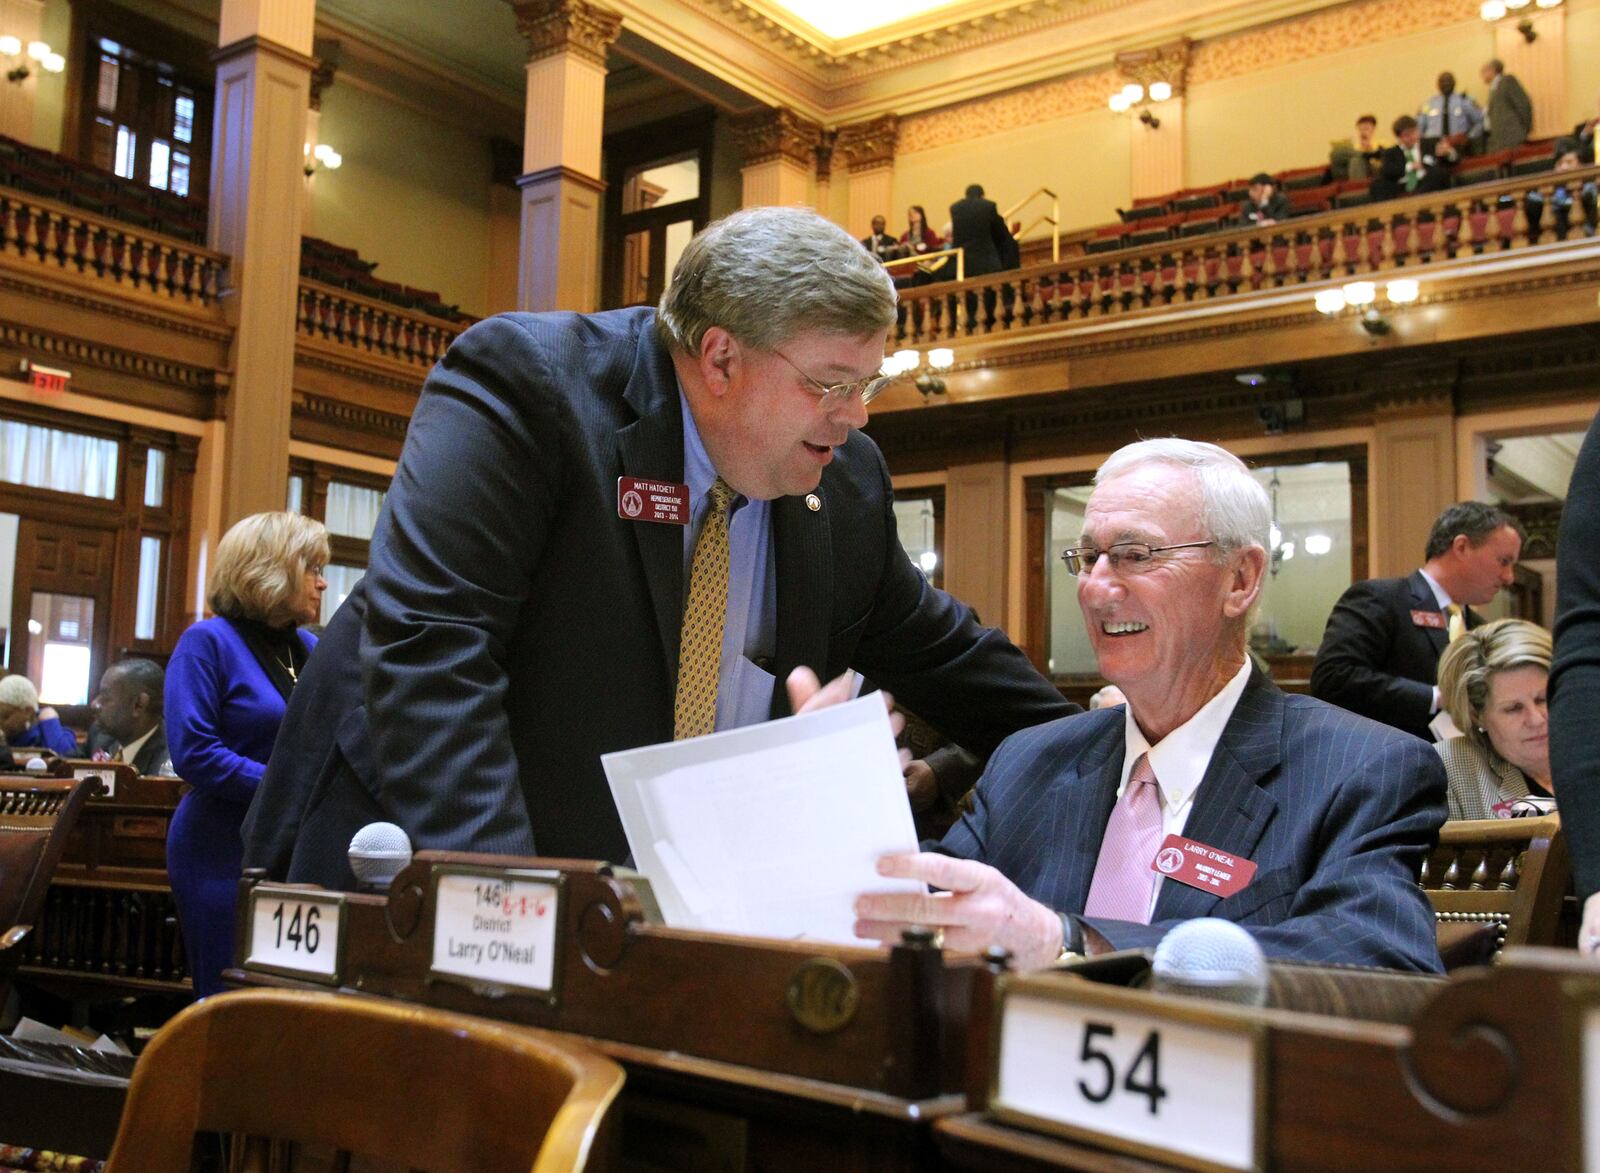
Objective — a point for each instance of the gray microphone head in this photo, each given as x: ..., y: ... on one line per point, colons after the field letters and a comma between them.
x: 378, y: 853
x: 1210, y: 958
x: 36, y: 766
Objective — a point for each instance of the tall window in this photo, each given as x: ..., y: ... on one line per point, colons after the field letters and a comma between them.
x: 658, y: 197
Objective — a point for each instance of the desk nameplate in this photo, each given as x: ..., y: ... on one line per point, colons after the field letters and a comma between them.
x: 1168, y: 1079
x: 296, y: 932
x: 498, y: 930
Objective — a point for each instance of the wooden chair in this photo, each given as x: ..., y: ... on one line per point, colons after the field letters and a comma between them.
x: 363, y: 1077
x: 36, y: 816
x: 1504, y: 877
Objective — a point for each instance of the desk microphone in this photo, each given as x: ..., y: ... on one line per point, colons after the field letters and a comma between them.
x: 378, y: 853
x: 1210, y: 958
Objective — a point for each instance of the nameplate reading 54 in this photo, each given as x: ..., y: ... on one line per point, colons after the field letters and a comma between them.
x: 497, y: 927
x: 295, y: 932
x: 1087, y: 1063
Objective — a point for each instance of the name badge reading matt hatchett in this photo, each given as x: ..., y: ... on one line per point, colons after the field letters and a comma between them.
x: 497, y: 927
x: 666, y: 502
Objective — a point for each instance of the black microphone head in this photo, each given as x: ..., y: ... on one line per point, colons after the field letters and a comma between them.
x: 1210, y: 958
x: 378, y: 853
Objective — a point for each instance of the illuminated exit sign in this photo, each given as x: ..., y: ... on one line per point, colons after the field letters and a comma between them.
x: 45, y: 378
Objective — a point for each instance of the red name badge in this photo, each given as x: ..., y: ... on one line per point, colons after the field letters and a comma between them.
x: 1202, y: 867
x: 663, y: 501
x: 1430, y: 619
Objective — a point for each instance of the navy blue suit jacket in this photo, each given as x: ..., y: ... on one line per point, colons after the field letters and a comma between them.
x: 512, y: 627
x: 1336, y: 811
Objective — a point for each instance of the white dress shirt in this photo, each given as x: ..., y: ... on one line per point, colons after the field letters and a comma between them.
x: 1181, y: 757
x: 130, y: 751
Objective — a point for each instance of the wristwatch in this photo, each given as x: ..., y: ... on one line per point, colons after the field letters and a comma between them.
x: 1071, y: 940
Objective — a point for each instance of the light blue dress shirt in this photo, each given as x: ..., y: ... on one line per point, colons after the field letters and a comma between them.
x: 749, y: 635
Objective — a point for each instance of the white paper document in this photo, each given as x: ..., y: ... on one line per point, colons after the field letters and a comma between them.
x: 771, y: 830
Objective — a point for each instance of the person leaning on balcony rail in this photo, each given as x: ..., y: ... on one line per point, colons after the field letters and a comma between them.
x: 25, y: 724
x: 1563, y: 198
x: 1493, y: 681
x: 228, y: 683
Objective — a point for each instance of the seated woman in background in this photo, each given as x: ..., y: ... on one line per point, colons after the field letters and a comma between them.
x: 1492, y: 681
x: 228, y: 684
x: 24, y: 723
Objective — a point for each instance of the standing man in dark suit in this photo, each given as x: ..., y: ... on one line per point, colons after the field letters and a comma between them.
x: 1380, y: 653
x: 1508, y: 113
x: 1084, y: 834
x: 128, y: 713
x: 614, y: 529
x: 976, y: 227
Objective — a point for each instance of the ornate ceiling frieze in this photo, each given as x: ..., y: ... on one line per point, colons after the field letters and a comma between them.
x: 781, y: 133
x: 556, y: 26
x: 1165, y: 63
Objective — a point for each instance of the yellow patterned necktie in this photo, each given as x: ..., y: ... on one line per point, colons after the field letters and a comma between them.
x: 704, y: 615
x: 1457, y: 626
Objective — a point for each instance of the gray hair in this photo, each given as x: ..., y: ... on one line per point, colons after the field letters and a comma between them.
x: 767, y: 274
x: 1234, y: 508
x: 17, y: 692
x: 1469, y: 664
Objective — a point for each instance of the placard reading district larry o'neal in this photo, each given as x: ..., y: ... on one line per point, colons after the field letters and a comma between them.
x: 498, y: 927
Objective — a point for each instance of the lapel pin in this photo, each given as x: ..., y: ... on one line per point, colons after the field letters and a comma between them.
x: 813, y: 502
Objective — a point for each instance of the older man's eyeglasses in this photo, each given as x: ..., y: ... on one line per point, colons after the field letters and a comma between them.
x: 1125, y: 557
x: 837, y: 394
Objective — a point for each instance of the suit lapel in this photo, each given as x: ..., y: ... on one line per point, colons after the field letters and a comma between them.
x: 652, y: 446
x: 803, y: 563
x: 1093, y: 794
x: 1231, y: 811
x: 1422, y: 599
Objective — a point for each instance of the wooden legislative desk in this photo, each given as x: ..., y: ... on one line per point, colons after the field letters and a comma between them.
x: 1488, y: 1075
x: 740, y: 1054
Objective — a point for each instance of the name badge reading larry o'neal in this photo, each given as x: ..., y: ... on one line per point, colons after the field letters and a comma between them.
x: 497, y: 927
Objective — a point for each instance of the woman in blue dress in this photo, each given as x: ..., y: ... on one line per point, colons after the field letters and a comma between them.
x: 228, y: 684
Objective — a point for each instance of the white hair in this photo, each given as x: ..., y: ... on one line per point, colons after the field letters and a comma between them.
x: 1234, y: 508
x: 17, y: 692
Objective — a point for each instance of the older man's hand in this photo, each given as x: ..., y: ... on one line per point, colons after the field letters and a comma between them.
x: 980, y: 908
x: 1589, y: 935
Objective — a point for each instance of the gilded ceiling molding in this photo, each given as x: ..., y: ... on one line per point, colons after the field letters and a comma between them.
x: 869, y: 144
x: 559, y: 26
x: 780, y: 133
x: 1315, y: 34
x: 1166, y: 63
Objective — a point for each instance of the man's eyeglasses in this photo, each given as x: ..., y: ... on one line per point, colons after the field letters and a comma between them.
x: 1125, y: 557
x: 839, y: 394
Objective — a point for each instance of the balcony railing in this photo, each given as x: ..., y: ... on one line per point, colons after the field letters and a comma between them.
x: 373, y: 327
x: 58, y: 236
x: 1409, y: 233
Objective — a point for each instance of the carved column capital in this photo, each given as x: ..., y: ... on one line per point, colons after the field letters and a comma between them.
x: 327, y: 54
x: 558, y: 26
x: 778, y: 133
x: 1167, y: 63
x: 864, y: 145
x: 825, y: 155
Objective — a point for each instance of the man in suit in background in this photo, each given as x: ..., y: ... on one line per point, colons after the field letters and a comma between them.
x: 880, y: 244
x: 1380, y: 653
x: 1409, y: 166
x: 1072, y: 821
x: 128, y: 717
x: 1265, y: 205
x: 610, y: 530
x: 976, y: 227
x: 1508, y: 113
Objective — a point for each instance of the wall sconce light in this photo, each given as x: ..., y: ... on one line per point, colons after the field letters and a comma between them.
x: 37, y: 51
x: 1495, y: 10
x: 903, y: 362
x: 1148, y: 117
x: 1133, y: 94
x: 1363, y: 296
x: 322, y: 156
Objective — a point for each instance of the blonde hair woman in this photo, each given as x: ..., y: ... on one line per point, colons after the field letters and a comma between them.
x: 1493, y: 682
x: 228, y: 684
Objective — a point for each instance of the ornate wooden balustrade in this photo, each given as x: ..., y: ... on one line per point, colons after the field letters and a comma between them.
x: 55, y: 235
x: 1375, y: 239
x: 373, y: 327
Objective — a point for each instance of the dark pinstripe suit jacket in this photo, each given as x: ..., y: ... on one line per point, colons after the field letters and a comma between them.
x: 1375, y: 660
x: 512, y: 627
x: 1336, y: 811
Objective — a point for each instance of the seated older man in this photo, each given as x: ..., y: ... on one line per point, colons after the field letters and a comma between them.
x: 1326, y: 816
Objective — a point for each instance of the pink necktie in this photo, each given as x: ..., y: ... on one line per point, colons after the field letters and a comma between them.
x: 1123, y: 878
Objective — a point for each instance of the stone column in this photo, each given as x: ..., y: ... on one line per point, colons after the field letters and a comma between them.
x: 561, y: 184
x: 824, y: 155
x: 1413, y: 469
x: 1540, y: 65
x: 867, y: 149
x: 264, y: 67
x: 23, y: 19
x: 1156, y: 159
x: 780, y: 157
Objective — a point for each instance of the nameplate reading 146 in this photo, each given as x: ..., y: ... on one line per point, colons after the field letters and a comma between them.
x: 1155, y: 1077
x: 296, y: 932
x: 497, y: 927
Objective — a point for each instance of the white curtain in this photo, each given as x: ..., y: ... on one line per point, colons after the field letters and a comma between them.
x: 45, y: 458
x: 353, y: 510
x: 341, y: 581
